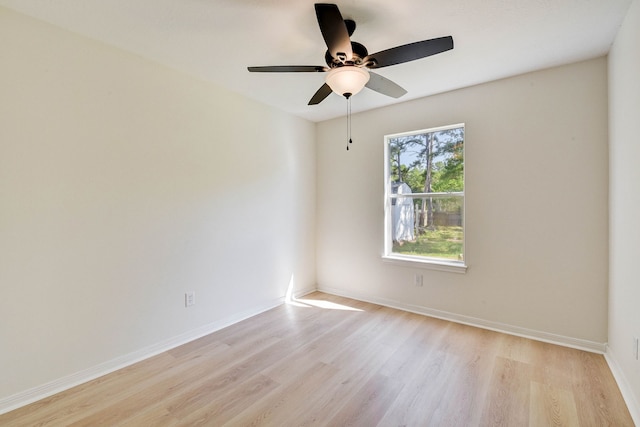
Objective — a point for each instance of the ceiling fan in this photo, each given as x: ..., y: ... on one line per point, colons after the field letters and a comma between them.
x: 349, y: 62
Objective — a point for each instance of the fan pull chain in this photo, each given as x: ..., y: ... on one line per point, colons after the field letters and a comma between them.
x: 349, y: 121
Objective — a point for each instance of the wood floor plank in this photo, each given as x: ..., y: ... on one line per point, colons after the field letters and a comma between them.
x: 216, y: 408
x: 466, y: 393
x: 285, y: 404
x: 509, y: 396
x: 156, y: 417
x: 369, y: 404
x: 420, y: 401
x: 327, y: 361
x: 552, y: 365
x: 75, y: 401
x: 552, y: 407
x: 598, y: 399
x: 355, y: 367
x: 165, y: 384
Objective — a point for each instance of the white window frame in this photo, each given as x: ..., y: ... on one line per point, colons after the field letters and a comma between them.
x: 414, y: 260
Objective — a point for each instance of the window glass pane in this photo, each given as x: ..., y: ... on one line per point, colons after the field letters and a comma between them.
x: 443, y: 238
x: 425, y: 178
x: 428, y: 162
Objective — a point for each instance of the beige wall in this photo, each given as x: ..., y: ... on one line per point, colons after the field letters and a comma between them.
x: 536, y: 206
x: 624, y: 204
x: 123, y: 185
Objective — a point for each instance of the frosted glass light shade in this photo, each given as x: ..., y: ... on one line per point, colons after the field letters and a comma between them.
x: 347, y: 80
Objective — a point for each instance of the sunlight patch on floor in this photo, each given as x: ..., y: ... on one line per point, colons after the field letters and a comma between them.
x: 320, y: 304
x: 290, y: 299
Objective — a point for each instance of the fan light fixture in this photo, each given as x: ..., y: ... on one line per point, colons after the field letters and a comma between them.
x: 348, y: 80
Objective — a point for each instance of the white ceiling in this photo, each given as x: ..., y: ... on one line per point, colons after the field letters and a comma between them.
x: 217, y: 39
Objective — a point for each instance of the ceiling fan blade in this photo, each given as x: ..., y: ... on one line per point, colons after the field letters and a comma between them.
x: 384, y: 86
x: 334, y: 31
x: 409, y: 52
x: 288, y: 69
x: 320, y: 95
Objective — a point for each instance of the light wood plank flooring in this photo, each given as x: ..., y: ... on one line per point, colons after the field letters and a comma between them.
x: 332, y: 361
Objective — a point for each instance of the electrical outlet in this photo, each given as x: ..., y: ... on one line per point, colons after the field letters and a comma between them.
x: 417, y: 280
x: 636, y: 347
x: 189, y: 299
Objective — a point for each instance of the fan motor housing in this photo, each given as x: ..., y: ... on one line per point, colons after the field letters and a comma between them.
x: 359, y: 53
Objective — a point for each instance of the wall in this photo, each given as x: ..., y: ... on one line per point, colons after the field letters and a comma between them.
x: 123, y: 185
x: 536, y: 206
x: 624, y: 205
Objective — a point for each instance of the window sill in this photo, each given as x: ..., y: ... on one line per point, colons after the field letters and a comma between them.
x: 431, y: 264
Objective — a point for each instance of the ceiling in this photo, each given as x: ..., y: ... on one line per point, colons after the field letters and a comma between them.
x: 216, y: 40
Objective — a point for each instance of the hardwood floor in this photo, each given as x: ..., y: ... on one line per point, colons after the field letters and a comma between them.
x: 332, y: 361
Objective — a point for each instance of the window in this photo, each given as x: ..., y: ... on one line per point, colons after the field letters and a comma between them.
x: 424, y: 197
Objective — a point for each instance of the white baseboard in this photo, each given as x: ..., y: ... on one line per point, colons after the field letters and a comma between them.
x: 302, y: 292
x: 633, y: 404
x: 591, y: 346
x: 32, y: 395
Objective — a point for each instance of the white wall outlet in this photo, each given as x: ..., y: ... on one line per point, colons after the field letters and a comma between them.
x: 189, y: 299
x: 417, y: 280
